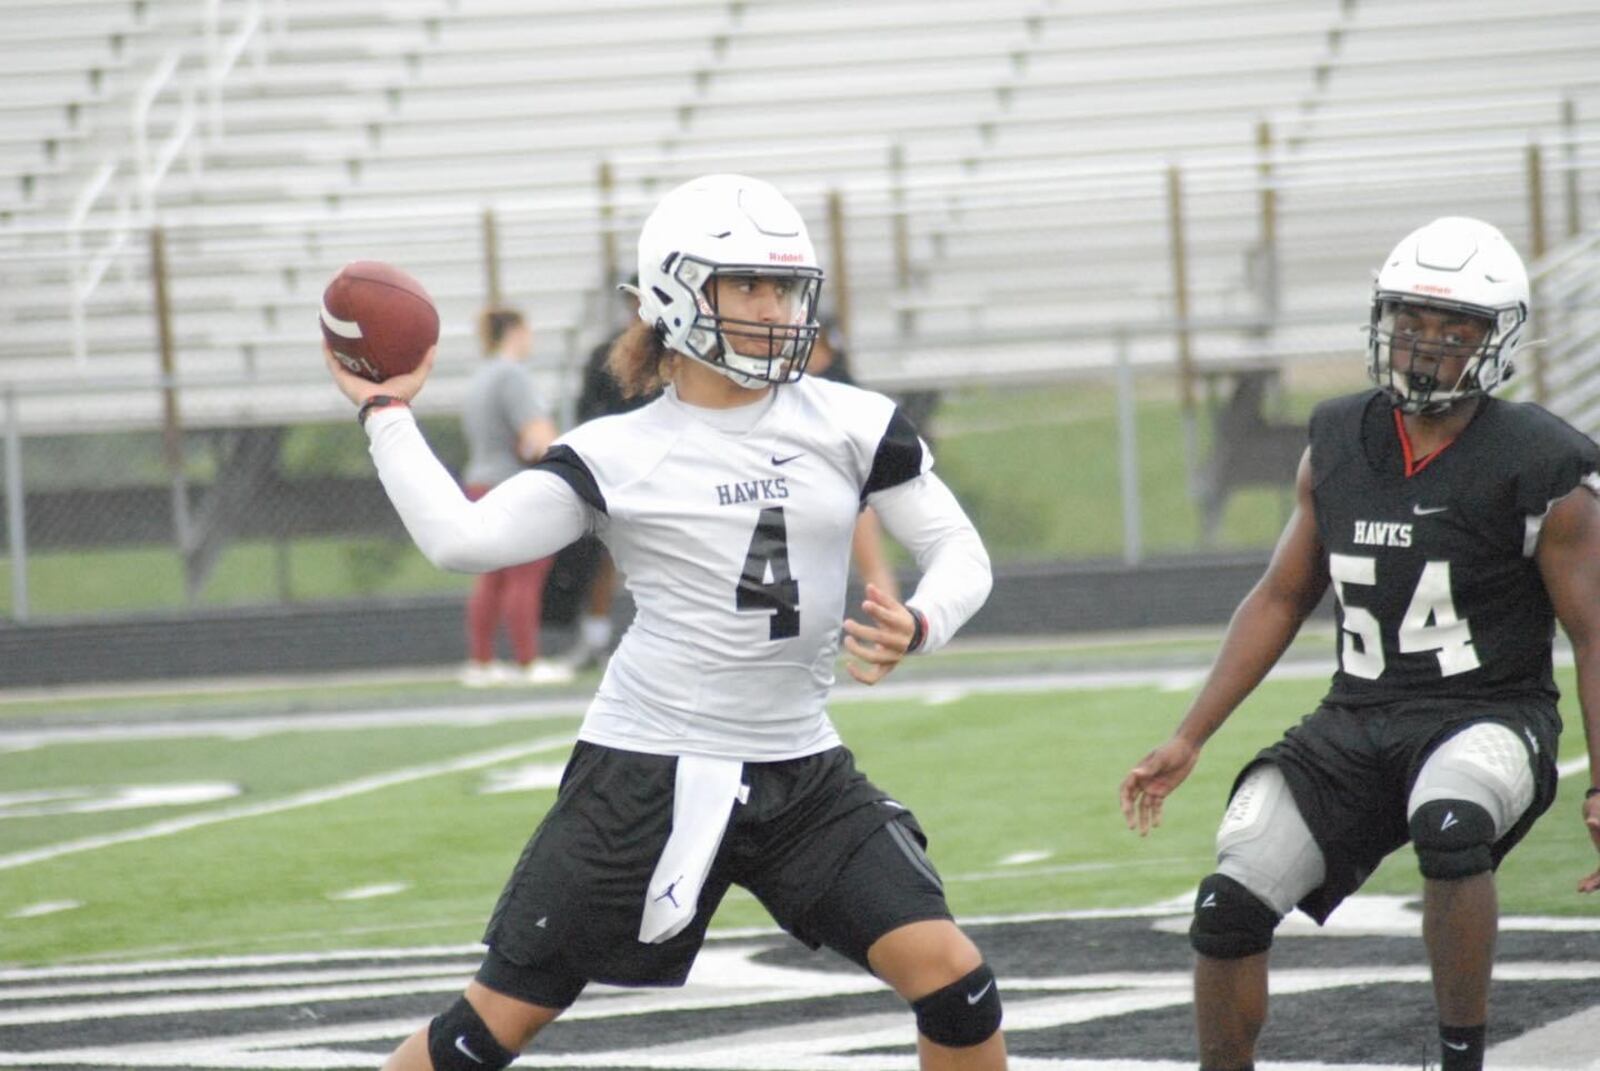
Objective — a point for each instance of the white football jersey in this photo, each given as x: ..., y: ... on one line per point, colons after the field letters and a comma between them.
x: 733, y: 529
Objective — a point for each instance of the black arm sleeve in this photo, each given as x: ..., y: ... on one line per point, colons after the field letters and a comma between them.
x: 898, y: 459
x: 564, y: 462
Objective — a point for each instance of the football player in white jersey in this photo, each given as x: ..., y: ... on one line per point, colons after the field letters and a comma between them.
x: 707, y: 757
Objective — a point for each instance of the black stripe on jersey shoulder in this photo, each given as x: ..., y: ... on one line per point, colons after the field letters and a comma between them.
x: 899, y: 456
x: 564, y: 462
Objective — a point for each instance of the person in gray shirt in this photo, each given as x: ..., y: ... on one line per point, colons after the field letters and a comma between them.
x: 507, y: 425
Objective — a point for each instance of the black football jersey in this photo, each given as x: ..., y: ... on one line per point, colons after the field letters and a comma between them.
x: 1438, y: 593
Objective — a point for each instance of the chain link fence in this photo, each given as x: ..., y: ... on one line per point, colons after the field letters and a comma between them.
x: 121, y: 522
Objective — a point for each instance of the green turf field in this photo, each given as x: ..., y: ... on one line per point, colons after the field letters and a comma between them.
x: 994, y: 777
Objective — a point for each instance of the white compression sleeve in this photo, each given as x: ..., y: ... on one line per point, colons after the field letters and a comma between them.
x: 528, y: 517
x: 925, y: 518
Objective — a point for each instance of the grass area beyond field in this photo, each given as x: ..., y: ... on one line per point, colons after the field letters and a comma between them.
x: 1038, y: 470
x: 386, y: 835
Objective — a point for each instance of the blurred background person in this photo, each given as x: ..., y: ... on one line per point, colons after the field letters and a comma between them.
x: 830, y: 361
x: 585, y: 567
x: 506, y: 425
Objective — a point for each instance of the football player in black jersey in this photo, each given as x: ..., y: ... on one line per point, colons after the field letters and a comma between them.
x: 1455, y: 529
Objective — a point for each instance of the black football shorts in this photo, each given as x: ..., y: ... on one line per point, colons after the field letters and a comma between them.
x: 803, y: 844
x: 1351, y: 772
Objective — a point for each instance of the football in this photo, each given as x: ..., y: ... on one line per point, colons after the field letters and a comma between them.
x: 378, y: 321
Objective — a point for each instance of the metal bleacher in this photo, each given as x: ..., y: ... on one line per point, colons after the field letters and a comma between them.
x: 1004, y: 171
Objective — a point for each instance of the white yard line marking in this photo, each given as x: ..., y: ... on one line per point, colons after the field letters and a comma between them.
x: 249, y: 728
x: 1067, y: 868
x: 844, y: 693
x: 114, y: 798
x: 46, y: 907
x: 313, y: 798
x: 112, y: 981
x: 369, y: 892
x: 1024, y: 858
x: 527, y: 778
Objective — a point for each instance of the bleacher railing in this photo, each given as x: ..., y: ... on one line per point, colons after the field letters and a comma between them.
x: 1216, y: 207
x: 1564, y: 358
x: 200, y: 64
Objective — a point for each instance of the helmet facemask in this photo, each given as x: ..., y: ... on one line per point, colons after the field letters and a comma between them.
x: 752, y: 352
x: 1449, y: 351
x: 1450, y: 303
x: 728, y: 276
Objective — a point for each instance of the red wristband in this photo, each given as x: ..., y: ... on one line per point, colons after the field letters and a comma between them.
x: 378, y: 401
x: 919, y: 630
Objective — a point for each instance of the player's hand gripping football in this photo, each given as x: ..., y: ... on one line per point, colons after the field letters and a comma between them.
x: 877, y: 647
x: 359, y: 390
x: 1155, y: 778
x: 1591, y: 820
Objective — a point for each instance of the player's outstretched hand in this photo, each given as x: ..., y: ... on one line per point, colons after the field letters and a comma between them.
x: 1591, y: 819
x: 359, y: 390
x: 1149, y: 783
x: 877, y: 647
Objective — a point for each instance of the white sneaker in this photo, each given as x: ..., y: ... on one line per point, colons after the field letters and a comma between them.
x: 484, y: 675
x: 548, y: 671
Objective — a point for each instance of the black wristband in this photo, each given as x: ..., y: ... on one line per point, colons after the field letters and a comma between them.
x: 1591, y: 794
x: 919, y: 630
x: 377, y: 401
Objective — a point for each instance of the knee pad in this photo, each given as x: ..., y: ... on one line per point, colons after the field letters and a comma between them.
x: 459, y: 1040
x: 962, y: 1014
x: 1453, y: 838
x: 1230, y: 921
x: 1265, y: 844
x: 1487, y: 764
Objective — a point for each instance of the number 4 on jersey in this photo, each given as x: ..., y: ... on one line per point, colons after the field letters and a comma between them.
x: 769, y: 556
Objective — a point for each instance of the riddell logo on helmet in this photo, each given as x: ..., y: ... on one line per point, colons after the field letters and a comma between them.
x: 786, y: 258
x: 1429, y: 288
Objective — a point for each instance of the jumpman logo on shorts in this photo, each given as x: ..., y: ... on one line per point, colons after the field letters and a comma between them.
x: 666, y: 893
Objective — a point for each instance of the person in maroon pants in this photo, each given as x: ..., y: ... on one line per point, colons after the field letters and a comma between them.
x: 507, y: 425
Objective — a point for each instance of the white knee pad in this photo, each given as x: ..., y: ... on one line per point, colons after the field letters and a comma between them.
x: 1265, y: 845
x: 1486, y: 764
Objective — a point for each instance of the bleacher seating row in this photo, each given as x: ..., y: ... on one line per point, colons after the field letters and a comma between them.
x: 1002, y: 169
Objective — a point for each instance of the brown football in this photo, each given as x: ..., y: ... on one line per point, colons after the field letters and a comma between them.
x: 378, y: 321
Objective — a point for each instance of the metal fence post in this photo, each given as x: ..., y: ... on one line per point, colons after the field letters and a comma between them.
x: 1268, y: 201
x: 1569, y: 131
x: 1128, y: 444
x: 900, y: 236
x: 1536, y: 249
x: 839, y: 265
x: 1180, y: 312
x: 171, y: 422
x: 610, y: 258
x: 491, y: 257
x: 16, y: 512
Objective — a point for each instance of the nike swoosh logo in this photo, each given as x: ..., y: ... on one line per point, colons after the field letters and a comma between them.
x: 776, y: 460
x: 1462, y: 1047
x: 461, y: 1044
x: 1420, y: 512
x: 1209, y: 901
x: 973, y: 998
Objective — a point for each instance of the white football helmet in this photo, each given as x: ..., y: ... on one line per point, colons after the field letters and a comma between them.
x: 729, y: 226
x: 1459, y: 267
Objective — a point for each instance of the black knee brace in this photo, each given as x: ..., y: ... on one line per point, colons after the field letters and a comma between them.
x: 459, y: 1040
x: 962, y: 1014
x: 1230, y: 921
x: 1454, y: 839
